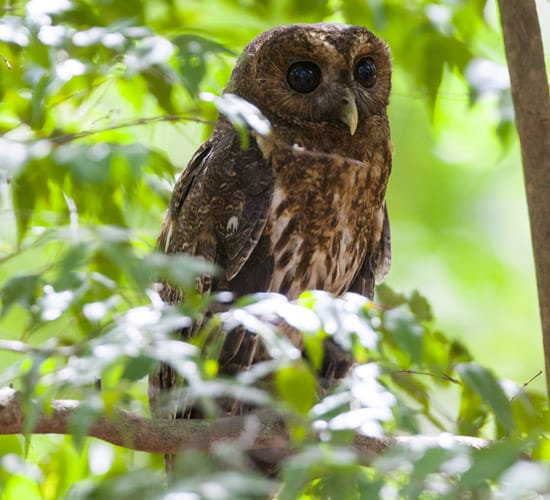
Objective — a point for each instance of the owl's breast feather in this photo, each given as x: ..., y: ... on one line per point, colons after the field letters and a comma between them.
x: 321, y: 218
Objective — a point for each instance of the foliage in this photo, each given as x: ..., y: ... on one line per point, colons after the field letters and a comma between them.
x: 95, y: 101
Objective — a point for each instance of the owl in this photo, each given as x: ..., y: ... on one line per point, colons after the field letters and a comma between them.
x: 304, y: 207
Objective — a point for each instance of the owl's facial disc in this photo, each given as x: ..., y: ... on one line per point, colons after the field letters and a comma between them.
x: 348, y: 114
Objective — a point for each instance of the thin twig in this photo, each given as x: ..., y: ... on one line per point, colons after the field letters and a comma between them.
x: 5, y: 59
x: 22, y: 348
x: 63, y: 139
x: 526, y: 384
x: 443, y: 376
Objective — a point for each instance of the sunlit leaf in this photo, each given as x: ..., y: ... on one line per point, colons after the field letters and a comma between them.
x: 15, y: 155
x: 297, y: 387
x: 313, y: 345
x: 147, y: 53
x: 524, y: 479
x: 241, y: 113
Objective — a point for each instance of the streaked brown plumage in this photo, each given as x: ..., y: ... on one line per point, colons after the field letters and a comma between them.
x: 303, y: 208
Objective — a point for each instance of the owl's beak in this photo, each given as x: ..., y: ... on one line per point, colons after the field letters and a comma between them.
x: 349, y: 115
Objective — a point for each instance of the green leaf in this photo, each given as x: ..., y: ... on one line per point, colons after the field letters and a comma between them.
x: 22, y: 290
x: 459, y: 353
x: 530, y: 411
x: 81, y: 420
x: 20, y: 485
x: 506, y: 131
x: 389, y: 298
x: 412, y: 386
x: 87, y: 164
x: 75, y: 257
x: 436, y: 353
x: 24, y: 201
x: 160, y: 84
x: 193, y: 51
x: 137, y: 368
x: 482, y: 381
x: 297, y: 386
x: 403, y: 328
x: 343, y: 482
x: 489, y: 463
x: 38, y: 106
x: 181, y: 270
x: 429, y: 463
x: 542, y: 449
x: 406, y: 419
x: 420, y: 306
x: 473, y: 414
x: 313, y: 345
x: 196, y: 44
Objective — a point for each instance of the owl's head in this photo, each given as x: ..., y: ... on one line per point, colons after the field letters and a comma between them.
x: 304, y: 74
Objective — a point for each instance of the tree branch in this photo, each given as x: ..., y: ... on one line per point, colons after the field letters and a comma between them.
x: 259, y: 431
x: 525, y: 54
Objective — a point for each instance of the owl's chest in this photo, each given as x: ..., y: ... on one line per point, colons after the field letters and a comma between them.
x: 319, y: 225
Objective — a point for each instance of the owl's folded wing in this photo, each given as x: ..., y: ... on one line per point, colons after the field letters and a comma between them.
x: 377, y: 262
x: 219, y: 205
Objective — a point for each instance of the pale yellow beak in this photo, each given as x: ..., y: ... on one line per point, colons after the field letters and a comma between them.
x: 349, y: 115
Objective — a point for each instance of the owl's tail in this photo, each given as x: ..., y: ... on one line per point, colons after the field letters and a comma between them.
x: 169, y: 468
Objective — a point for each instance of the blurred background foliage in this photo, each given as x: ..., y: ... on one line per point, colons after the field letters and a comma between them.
x: 100, y: 109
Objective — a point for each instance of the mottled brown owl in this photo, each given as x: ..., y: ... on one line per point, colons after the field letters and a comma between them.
x: 303, y: 208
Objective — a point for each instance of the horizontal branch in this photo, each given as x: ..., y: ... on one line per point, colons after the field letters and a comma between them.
x: 257, y: 431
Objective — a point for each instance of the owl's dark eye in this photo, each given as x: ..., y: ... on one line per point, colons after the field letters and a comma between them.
x: 365, y: 72
x: 304, y: 76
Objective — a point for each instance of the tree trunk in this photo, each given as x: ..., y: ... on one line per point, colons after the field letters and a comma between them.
x: 525, y: 54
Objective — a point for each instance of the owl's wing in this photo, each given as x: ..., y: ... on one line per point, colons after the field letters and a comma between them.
x: 383, y: 255
x: 219, y: 205
x: 218, y: 211
x: 378, y: 259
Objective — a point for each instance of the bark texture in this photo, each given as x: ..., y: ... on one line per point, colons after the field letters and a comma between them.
x: 259, y: 431
x: 525, y: 54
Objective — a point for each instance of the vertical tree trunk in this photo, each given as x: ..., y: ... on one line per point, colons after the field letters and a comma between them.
x: 525, y: 54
